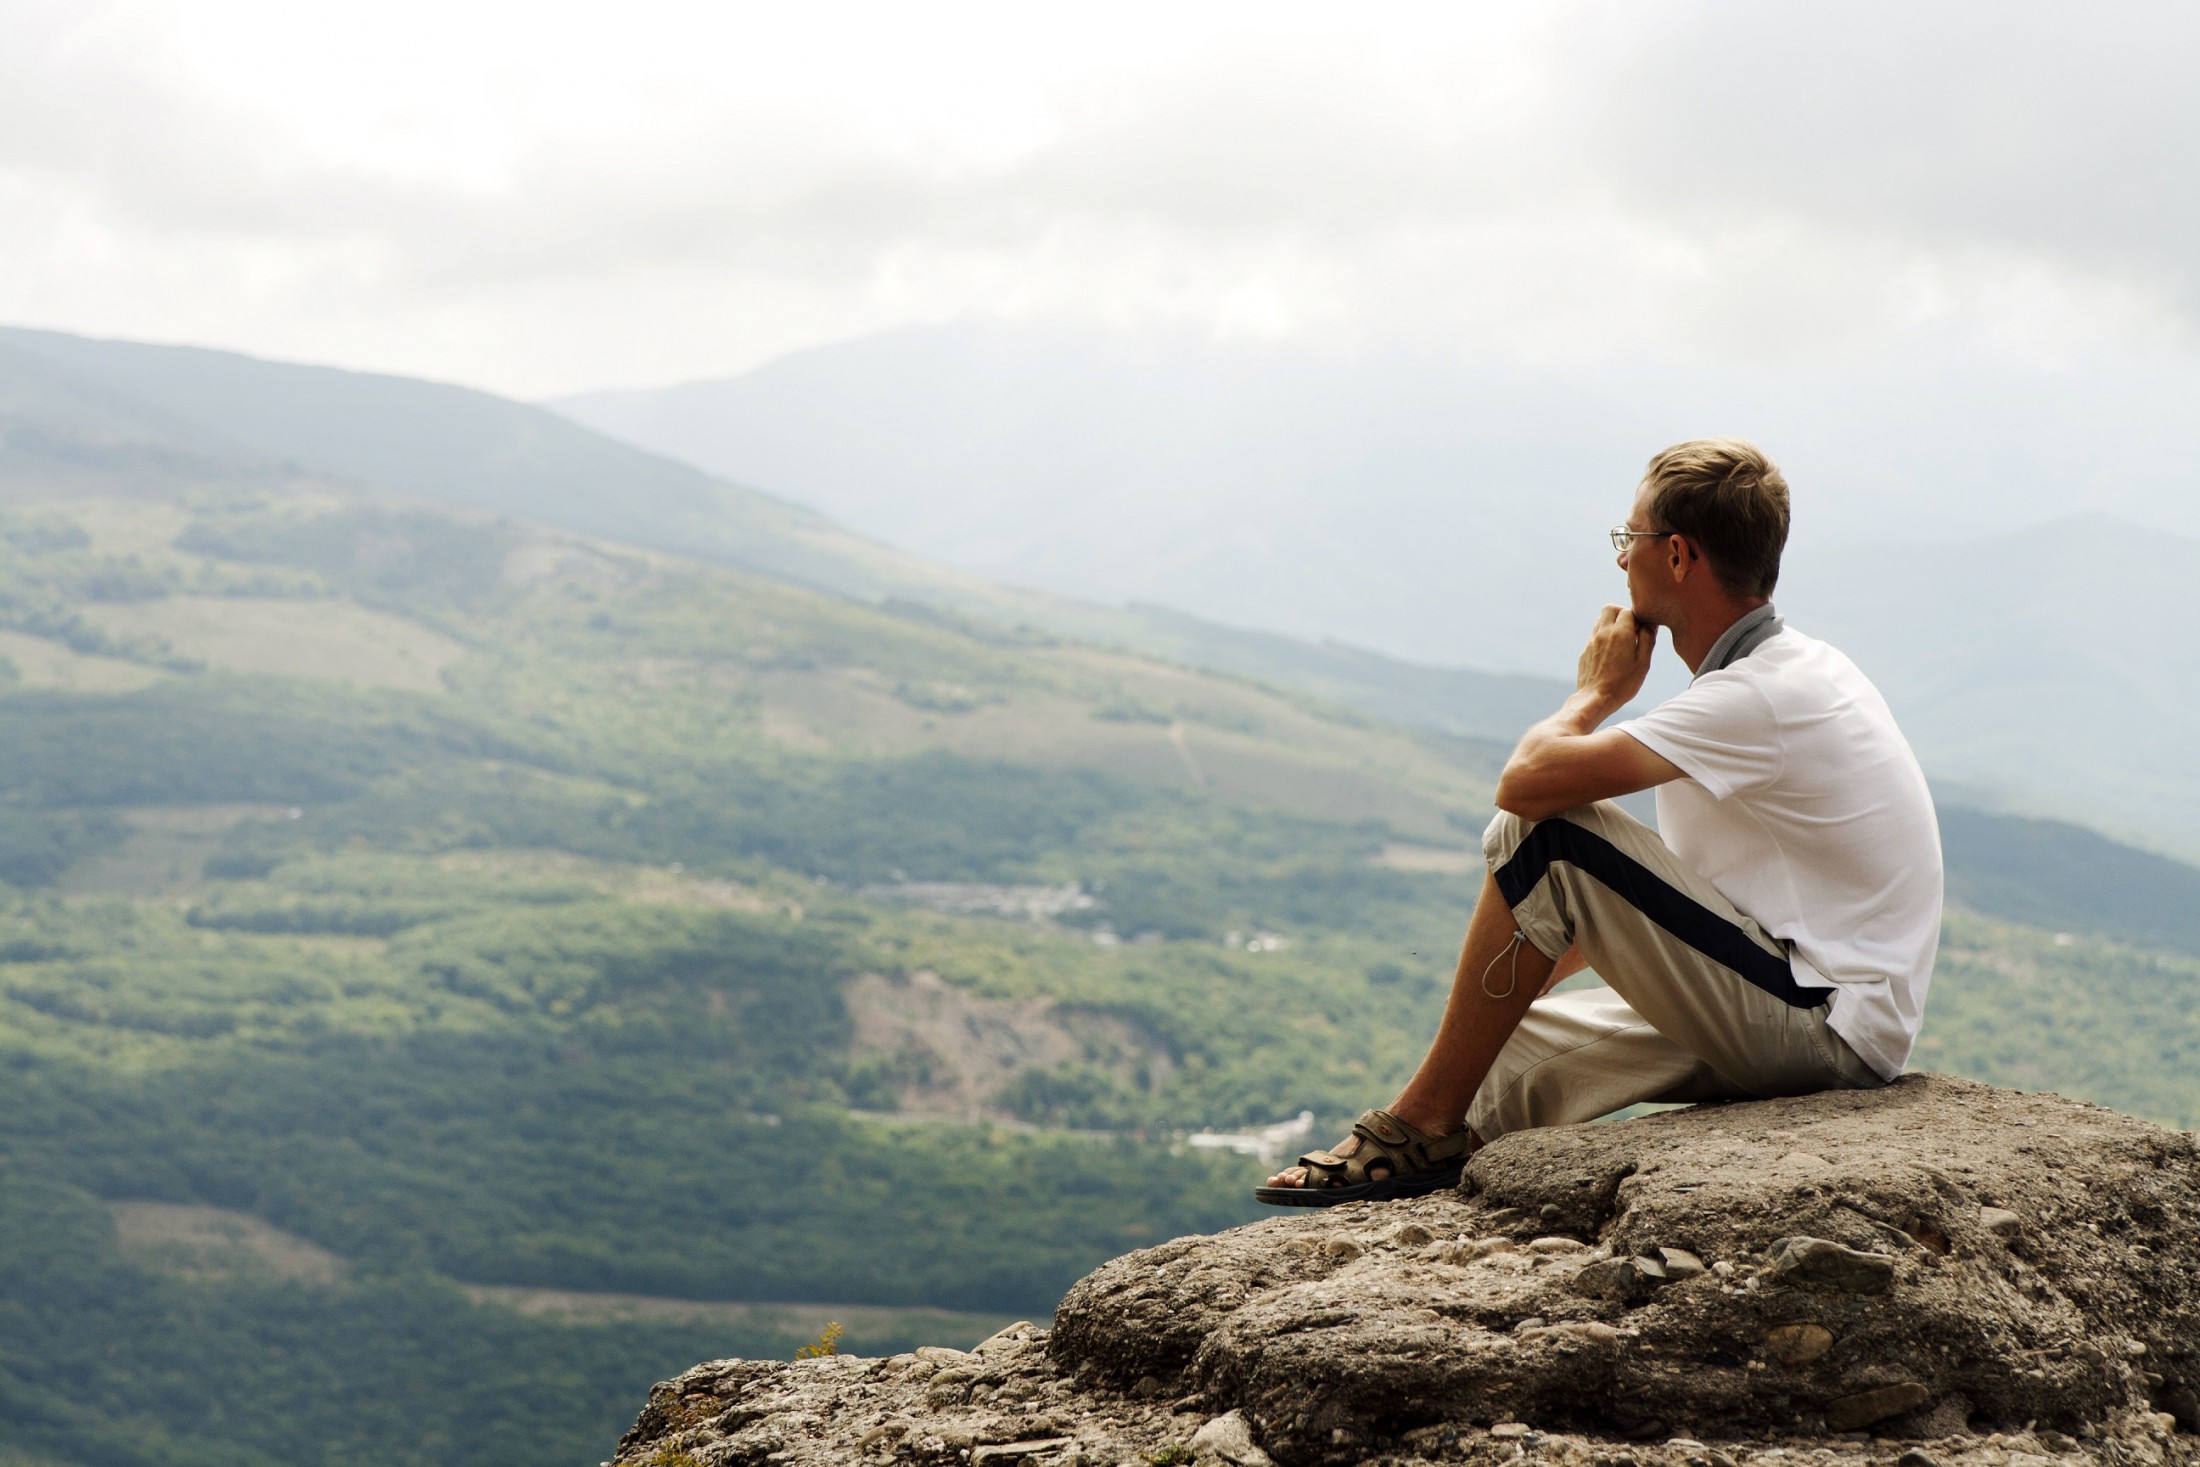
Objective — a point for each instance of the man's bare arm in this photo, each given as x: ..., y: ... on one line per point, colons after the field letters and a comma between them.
x: 1564, y: 761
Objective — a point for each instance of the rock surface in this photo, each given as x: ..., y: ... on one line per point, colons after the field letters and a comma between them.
x: 1938, y: 1272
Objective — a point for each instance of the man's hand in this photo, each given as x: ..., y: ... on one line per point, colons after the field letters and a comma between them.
x: 1563, y: 761
x: 1617, y: 659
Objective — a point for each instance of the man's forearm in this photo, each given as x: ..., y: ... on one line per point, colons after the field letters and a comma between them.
x: 1526, y: 773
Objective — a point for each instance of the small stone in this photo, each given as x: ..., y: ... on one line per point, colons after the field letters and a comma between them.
x: 1341, y: 1248
x: 1556, y: 1243
x: 1533, y: 1321
x: 1916, y: 1457
x: 2001, y: 1222
x: 1147, y: 1388
x: 2163, y: 1422
x: 1684, y: 1444
x: 1797, y: 1344
x: 1509, y: 1430
x: 1680, y: 1263
x: 1865, y: 1407
x: 1615, y: 1279
x: 1805, y: 1260
x: 1409, y: 1235
x: 1017, y: 1451
x: 1003, y: 1338
x: 1650, y: 1268
x: 941, y: 1355
x: 2136, y: 1349
x: 1230, y: 1438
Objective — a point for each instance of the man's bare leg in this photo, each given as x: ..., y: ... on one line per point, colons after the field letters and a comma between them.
x: 1478, y: 1018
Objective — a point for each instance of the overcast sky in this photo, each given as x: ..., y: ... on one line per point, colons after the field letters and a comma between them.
x: 548, y: 198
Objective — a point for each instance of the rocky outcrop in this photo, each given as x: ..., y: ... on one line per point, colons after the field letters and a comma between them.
x: 1938, y: 1267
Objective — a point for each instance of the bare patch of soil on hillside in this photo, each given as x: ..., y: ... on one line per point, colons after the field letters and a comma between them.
x: 165, y: 853
x: 290, y: 638
x: 204, y: 1243
x: 40, y: 662
x: 959, y: 1049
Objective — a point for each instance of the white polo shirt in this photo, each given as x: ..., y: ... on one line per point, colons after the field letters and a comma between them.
x: 1804, y: 806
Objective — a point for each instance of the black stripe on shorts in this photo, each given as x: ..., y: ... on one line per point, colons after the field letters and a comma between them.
x: 1552, y: 841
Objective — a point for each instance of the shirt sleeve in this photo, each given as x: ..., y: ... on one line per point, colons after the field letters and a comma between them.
x: 1720, y: 731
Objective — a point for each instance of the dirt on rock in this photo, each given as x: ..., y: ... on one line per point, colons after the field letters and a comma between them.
x: 1967, y: 1275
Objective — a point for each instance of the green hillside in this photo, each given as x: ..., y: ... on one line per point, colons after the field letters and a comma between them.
x: 80, y: 416
x: 454, y: 972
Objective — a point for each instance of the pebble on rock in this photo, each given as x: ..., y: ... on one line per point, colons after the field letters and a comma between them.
x: 1865, y: 1407
x: 1230, y: 1438
x: 1797, y: 1344
x: 1820, y: 1261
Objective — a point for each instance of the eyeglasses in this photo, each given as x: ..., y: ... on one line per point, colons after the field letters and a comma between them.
x: 1622, y: 537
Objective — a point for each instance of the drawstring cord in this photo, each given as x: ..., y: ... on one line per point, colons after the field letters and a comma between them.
x: 1513, y: 981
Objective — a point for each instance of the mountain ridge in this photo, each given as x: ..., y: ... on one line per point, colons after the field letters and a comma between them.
x: 1427, y: 506
x: 492, y: 454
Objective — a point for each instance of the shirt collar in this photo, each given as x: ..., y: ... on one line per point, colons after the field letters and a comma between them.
x: 1750, y: 631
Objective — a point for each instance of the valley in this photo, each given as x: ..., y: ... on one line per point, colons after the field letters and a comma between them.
x: 457, y: 968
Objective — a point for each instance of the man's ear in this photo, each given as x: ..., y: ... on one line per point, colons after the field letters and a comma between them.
x: 1680, y: 556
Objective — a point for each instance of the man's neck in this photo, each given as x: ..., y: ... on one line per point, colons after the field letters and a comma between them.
x: 1692, y: 642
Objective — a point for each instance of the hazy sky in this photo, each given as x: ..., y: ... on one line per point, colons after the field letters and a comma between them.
x: 546, y: 198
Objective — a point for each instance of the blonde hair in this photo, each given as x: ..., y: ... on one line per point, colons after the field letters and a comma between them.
x: 1727, y: 497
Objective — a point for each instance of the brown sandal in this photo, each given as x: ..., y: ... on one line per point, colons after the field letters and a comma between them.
x: 1420, y: 1162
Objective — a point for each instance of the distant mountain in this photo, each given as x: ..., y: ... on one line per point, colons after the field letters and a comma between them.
x: 2048, y: 668
x: 2042, y: 670
x: 1423, y: 508
x: 80, y: 416
x: 2048, y: 873
x: 168, y: 416
x: 1418, y: 505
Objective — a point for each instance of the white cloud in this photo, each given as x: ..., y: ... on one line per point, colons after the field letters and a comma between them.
x: 548, y: 198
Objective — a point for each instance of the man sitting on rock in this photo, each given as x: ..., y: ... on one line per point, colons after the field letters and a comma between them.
x: 1773, y: 936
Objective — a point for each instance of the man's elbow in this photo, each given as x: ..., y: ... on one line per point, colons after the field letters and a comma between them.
x: 1517, y: 794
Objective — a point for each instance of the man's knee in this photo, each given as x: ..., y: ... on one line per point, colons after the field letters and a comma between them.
x: 1507, y: 832
x: 1502, y: 837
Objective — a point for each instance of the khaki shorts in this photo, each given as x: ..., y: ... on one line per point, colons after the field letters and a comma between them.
x: 1701, y: 1005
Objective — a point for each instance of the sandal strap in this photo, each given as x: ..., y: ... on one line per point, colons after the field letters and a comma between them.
x: 1384, y: 1138
x: 1426, y: 1150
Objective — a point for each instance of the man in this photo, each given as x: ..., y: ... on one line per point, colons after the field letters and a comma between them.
x: 1774, y: 935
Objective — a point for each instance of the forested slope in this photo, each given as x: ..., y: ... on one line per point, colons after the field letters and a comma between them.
x: 490, y: 908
